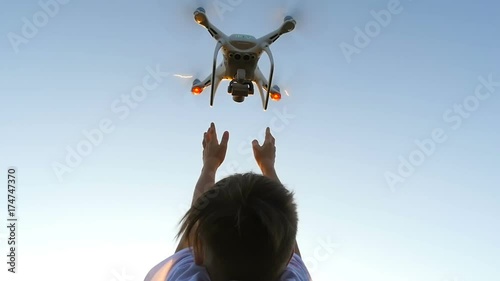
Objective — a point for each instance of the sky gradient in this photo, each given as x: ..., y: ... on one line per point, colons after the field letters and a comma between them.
x: 350, y: 122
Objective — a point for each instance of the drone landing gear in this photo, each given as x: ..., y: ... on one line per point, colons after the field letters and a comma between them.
x: 240, y: 87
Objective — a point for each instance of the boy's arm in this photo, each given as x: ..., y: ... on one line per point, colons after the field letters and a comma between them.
x: 205, y: 182
x: 265, y: 156
x: 213, y: 156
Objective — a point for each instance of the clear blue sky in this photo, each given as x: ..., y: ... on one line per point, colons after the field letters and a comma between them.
x: 346, y: 124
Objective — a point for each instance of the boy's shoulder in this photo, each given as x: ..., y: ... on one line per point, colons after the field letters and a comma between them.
x: 178, y: 267
x: 181, y: 267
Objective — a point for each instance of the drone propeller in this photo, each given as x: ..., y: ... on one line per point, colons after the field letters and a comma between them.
x: 294, y: 8
x: 189, y: 6
x: 186, y: 75
x: 286, y: 79
x: 186, y: 79
x: 179, y: 16
x: 302, y: 12
x: 283, y: 86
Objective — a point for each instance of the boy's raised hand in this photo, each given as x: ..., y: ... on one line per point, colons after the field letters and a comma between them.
x: 213, y: 152
x: 265, y: 154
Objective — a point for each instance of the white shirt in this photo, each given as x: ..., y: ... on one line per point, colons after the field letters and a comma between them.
x: 181, y: 267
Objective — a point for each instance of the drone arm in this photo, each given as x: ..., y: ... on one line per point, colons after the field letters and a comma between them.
x: 202, y: 19
x: 215, y: 32
x: 270, y: 38
x: 219, y: 72
x: 287, y: 26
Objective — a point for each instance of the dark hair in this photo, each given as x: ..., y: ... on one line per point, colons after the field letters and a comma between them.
x: 248, y: 224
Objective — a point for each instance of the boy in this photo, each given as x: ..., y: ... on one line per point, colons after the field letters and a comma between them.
x: 241, y: 228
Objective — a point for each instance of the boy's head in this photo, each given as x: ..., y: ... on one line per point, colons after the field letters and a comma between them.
x: 243, y: 229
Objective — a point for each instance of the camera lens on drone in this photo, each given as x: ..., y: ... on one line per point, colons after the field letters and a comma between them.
x: 246, y: 57
x: 238, y: 99
x: 237, y: 56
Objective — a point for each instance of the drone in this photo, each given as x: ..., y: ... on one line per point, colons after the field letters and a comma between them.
x: 241, y: 54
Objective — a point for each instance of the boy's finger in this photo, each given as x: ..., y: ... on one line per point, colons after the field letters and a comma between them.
x: 213, y: 131
x: 268, y: 135
x: 255, y: 144
x: 207, y: 134
x: 225, y: 139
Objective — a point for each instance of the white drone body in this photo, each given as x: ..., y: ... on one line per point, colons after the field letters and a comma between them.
x: 241, y: 56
